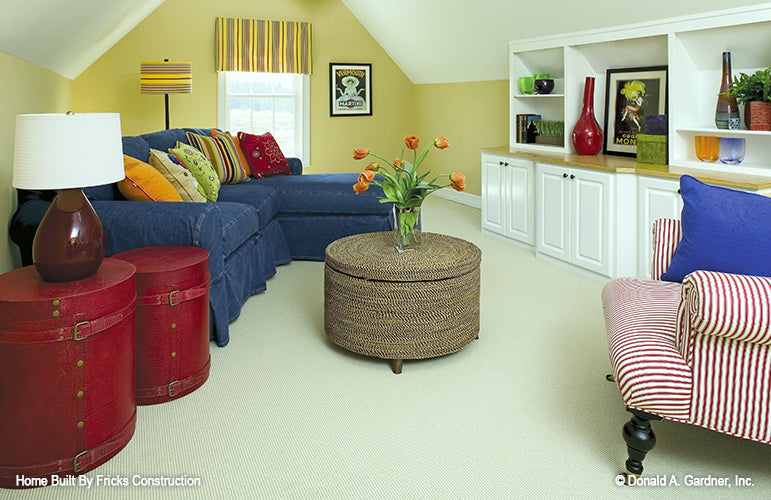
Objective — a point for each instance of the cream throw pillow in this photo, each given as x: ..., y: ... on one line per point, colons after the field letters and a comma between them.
x: 181, y: 178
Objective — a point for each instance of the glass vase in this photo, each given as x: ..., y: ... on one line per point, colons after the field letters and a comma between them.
x: 406, y: 228
x: 727, y: 110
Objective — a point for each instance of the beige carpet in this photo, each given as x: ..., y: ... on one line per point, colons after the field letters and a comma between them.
x: 524, y: 412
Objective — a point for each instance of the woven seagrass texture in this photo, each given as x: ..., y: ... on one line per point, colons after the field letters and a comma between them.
x: 373, y: 256
x: 377, y: 315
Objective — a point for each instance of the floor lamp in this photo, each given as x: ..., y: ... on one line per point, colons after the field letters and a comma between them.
x: 68, y: 152
x: 164, y: 77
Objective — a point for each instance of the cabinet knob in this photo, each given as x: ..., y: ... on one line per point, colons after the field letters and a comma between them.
x: 506, y: 164
x: 572, y: 176
x: 678, y: 190
x: 565, y: 176
x: 500, y: 163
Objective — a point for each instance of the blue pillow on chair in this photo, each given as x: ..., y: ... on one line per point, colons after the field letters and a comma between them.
x: 724, y: 230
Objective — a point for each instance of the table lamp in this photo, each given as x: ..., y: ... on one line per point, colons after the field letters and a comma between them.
x: 164, y: 77
x: 68, y: 152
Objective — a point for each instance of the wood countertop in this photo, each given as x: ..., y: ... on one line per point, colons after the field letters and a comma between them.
x: 627, y: 165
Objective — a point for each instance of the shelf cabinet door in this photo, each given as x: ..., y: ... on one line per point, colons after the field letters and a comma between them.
x: 520, y: 187
x: 552, y: 211
x: 573, y: 214
x: 657, y: 199
x: 493, y: 193
x: 590, y: 225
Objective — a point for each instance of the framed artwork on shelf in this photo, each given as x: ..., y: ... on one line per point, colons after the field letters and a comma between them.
x: 631, y: 94
x: 350, y: 87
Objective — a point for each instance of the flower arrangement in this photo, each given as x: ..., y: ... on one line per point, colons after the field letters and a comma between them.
x: 403, y: 186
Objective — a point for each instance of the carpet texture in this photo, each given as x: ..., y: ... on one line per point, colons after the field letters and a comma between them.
x: 523, y: 412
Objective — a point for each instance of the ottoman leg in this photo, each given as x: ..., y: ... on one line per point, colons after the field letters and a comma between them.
x: 396, y: 366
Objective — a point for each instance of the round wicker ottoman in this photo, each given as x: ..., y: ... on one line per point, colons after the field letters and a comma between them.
x: 411, y: 305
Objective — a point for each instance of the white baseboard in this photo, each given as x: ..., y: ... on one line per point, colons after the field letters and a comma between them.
x: 471, y: 200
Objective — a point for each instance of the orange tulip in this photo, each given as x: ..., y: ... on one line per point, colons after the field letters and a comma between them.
x: 441, y: 142
x: 372, y: 166
x: 458, y: 181
x: 359, y: 153
x: 411, y: 141
x: 399, y: 162
x: 360, y: 188
x: 366, y: 177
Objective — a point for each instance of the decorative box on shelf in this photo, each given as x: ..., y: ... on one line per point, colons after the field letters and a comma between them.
x: 652, y: 149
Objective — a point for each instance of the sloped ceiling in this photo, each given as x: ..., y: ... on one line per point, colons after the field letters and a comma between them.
x: 433, y: 41
x: 67, y: 36
x: 441, y: 41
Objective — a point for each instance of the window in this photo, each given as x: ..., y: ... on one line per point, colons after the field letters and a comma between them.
x: 267, y: 102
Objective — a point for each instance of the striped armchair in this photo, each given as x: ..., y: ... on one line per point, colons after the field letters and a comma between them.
x: 697, y: 352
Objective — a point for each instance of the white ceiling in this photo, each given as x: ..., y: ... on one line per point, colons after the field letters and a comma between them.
x: 67, y: 36
x: 439, y: 41
x: 432, y: 41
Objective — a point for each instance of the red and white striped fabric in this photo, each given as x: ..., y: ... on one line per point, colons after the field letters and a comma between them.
x: 640, y: 318
x: 724, y: 334
x: 699, y: 352
x: 667, y: 233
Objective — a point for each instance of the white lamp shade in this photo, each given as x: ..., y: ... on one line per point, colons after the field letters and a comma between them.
x: 58, y: 151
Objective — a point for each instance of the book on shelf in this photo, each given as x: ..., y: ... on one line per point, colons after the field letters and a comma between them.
x: 526, y: 130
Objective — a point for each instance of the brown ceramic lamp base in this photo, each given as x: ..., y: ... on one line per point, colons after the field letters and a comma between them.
x: 69, y: 243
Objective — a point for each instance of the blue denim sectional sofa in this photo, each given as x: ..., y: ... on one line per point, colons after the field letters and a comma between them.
x: 251, y: 228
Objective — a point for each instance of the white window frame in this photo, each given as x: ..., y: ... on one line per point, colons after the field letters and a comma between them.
x: 302, y: 111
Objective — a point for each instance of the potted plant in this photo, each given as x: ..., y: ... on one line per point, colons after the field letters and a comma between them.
x: 755, y: 92
x: 550, y: 132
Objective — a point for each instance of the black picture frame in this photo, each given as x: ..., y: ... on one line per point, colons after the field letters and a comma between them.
x: 350, y: 86
x: 630, y: 95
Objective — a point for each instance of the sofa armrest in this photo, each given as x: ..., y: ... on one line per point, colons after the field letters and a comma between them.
x: 135, y: 224
x: 295, y: 165
x: 667, y: 233
x: 730, y: 306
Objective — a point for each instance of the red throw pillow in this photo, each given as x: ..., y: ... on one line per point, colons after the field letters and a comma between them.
x: 264, y: 155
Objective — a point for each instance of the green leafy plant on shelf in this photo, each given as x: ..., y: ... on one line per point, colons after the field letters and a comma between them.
x: 752, y: 88
x: 755, y: 92
x: 550, y: 132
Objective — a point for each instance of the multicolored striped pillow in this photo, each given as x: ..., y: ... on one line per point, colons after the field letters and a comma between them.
x: 223, y: 155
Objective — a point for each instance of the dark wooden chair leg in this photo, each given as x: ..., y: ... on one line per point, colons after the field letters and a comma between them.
x: 396, y: 366
x: 639, y: 438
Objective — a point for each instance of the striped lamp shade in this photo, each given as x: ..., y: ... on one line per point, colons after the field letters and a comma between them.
x: 164, y: 77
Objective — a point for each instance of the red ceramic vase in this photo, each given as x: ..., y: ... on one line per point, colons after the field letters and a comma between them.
x: 587, y: 134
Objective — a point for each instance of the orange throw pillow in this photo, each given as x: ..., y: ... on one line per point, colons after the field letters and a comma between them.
x: 144, y: 183
x: 244, y: 162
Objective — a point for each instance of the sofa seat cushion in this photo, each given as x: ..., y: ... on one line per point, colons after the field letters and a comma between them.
x: 325, y: 194
x: 239, y: 223
x: 263, y: 199
x: 641, y: 321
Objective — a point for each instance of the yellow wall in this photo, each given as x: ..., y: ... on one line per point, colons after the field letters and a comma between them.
x: 184, y: 30
x: 24, y: 88
x: 471, y: 115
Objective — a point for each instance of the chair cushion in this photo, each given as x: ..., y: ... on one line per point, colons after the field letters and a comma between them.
x: 641, y: 322
x: 264, y: 199
x: 724, y: 230
x: 325, y: 194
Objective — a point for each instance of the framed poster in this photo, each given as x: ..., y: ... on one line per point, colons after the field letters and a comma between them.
x: 351, y: 89
x: 630, y: 95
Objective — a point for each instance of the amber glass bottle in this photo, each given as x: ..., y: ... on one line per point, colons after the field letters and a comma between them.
x: 727, y: 111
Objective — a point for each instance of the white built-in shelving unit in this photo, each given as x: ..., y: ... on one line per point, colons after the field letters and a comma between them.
x: 690, y: 46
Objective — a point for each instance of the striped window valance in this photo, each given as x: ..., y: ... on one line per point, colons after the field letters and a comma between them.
x: 257, y: 45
